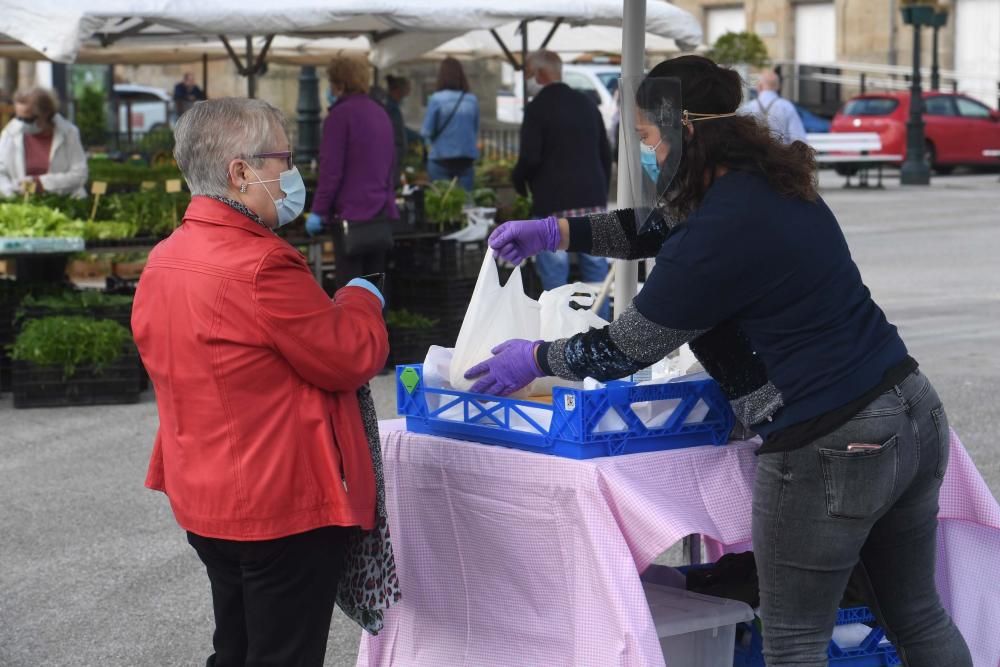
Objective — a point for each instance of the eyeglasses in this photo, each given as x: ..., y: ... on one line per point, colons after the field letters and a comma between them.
x: 281, y: 155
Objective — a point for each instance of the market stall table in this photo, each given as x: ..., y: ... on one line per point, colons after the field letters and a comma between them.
x: 509, y: 558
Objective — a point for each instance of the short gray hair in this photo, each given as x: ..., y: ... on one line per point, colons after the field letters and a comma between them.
x: 549, y: 61
x: 212, y: 133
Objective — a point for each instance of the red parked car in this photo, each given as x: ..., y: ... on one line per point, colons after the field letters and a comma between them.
x: 958, y: 128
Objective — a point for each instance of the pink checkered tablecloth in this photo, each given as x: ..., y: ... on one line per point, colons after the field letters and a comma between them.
x: 510, y: 558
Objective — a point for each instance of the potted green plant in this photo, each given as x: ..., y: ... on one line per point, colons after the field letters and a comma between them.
x: 62, y: 361
x: 84, y: 303
x: 443, y: 203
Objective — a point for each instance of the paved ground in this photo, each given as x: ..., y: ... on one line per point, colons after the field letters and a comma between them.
x: 93, y: 570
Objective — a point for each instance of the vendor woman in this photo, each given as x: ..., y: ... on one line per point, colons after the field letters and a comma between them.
x: 753, y: 271
x: 39, y: 146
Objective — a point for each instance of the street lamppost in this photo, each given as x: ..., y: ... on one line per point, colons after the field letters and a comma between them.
x: 940, y: 20
x: 915, y: 170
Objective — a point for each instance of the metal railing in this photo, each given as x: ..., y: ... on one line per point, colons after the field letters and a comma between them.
x: 502, y: 142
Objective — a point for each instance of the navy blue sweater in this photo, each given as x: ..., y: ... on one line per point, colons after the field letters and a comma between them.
x: 777, y: 268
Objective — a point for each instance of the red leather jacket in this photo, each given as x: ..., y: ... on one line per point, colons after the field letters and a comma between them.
x: 255, y: 370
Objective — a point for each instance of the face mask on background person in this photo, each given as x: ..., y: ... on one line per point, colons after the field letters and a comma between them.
x: 30, y: 125
x: 534, y: 87
x: 331, y: 99
x: 647, y: 155
x: 290, y: 206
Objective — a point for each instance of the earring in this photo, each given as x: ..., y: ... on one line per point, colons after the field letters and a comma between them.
x: 243, y: 188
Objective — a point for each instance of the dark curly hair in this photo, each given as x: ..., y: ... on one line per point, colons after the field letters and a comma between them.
x: 740, y: 143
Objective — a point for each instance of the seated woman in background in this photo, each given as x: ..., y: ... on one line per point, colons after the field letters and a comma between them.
x: 41, y: 146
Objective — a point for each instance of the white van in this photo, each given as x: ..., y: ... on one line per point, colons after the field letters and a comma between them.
x: 151, y: 108
x: 598, y: 82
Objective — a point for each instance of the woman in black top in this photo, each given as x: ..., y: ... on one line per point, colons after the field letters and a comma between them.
x: 754, y: 272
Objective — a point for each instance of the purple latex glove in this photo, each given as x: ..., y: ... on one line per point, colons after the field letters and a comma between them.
x: 512, y: 367
x: 517, y: 240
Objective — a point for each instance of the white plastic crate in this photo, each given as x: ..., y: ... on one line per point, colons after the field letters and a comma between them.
x: 695, y: 630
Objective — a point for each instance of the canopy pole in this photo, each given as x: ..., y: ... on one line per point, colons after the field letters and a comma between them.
x: 548, y: 37
x: 510, y: 56
x: 524, y: 63
x: 251, y: 70
x: 633, y: 49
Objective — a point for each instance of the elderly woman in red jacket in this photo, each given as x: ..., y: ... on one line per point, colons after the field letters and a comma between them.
x: 261, y: 447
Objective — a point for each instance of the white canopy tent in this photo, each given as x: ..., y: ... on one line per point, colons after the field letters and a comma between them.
x: 191, y: 48
x: 397, y: 29
x: 566, y: 39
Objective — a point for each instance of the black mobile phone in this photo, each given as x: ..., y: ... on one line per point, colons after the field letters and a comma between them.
x: 376, y: 279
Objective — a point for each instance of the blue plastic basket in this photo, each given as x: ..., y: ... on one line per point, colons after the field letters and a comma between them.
x: 578, y: 424
x: 871, y: 652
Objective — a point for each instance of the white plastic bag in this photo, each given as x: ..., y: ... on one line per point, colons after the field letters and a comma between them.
x: 496, y: 313
x: 559, y: 317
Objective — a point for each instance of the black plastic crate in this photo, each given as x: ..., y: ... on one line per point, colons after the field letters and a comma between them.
x: 45, y: 386
x: 409, y: 346
x: 6, y: 372
x: 439, y: 298
x: 426, y: 256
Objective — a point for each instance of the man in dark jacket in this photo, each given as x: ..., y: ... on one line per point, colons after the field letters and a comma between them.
x: 565, y: 161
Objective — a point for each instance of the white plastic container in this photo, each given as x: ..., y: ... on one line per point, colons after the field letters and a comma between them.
x: 695, y: 630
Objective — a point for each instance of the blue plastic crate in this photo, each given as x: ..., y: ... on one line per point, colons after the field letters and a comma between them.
x: 870, y: 653
x: 578, y: 424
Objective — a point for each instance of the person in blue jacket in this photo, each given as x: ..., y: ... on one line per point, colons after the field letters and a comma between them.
x: 753, y: 270
x: 451, y: 127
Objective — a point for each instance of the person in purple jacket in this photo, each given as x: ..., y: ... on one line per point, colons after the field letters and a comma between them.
x: 355, y: 197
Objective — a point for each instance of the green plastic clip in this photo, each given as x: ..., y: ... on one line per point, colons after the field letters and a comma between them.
x: 410, y: 379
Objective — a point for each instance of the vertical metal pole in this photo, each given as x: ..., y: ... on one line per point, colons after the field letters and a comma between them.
x: 524, y: 61
x: 863, y: 79
x: 251, y: 70
x: 633, y: 51
x: 308, y: 109
x: 112, y: 106
x: 204, y: 74
x: 915, y: 170
x: 935, y: 71
x: 128, y: 120
x: 692, y: 544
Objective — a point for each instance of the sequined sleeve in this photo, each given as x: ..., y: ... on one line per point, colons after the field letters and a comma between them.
x: 629, y: 344
x: 614, y: 234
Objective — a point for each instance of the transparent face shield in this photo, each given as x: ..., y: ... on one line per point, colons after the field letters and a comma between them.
x: 651, y: 117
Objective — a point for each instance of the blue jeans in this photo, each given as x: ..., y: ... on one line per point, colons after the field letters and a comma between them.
x: 553, y: 270
x: 440, y: 172
x: 820, y: 510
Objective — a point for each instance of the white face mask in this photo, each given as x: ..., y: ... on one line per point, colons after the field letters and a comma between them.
x: 291, y: 205
x: 534, y: 87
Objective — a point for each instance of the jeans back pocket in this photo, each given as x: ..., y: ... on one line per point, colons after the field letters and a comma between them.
x: 944, y: 440
x: 860, y: 483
